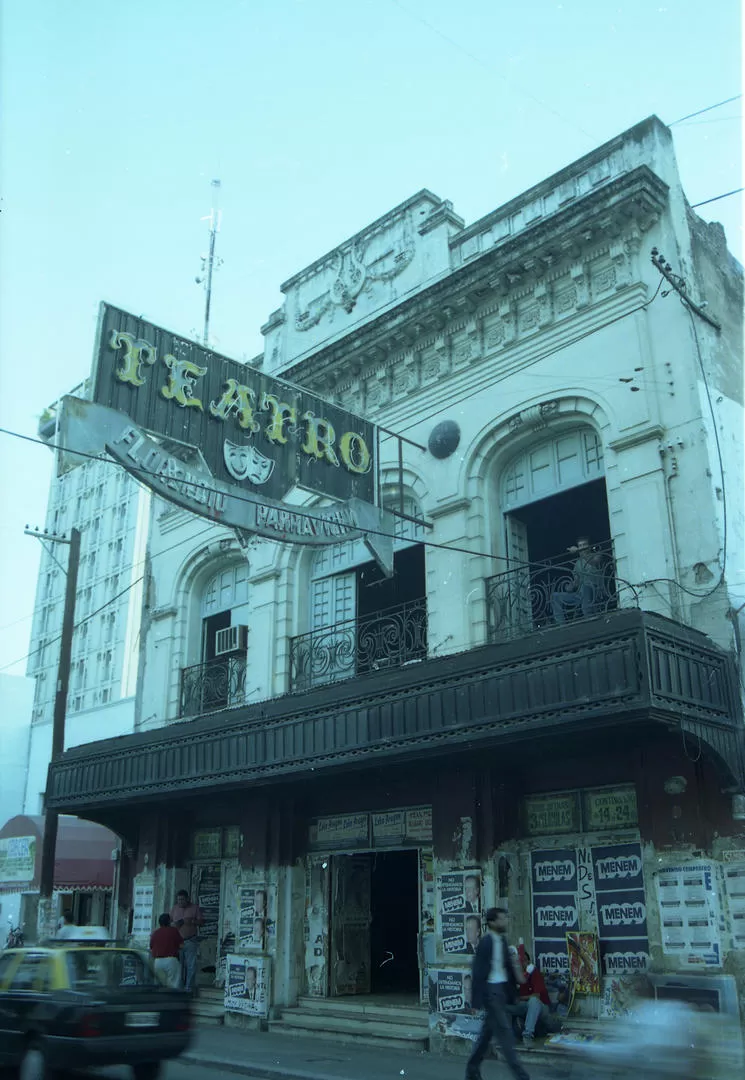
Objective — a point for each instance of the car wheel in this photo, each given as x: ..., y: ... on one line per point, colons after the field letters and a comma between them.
x: 147, y: 1070
x: 34, y: 1065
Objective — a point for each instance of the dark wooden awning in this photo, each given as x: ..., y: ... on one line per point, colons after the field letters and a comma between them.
x: 626, y: 667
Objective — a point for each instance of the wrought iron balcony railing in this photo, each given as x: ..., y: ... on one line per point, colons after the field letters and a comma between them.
x: 214, y: 685
x: 533, y: 596
x: 385, y: 639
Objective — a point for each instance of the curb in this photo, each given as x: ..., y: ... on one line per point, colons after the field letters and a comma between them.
x: 261, y: 1072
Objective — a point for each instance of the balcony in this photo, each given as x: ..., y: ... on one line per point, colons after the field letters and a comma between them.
x: 386, y: 639
x: 217, y: 684
x: 630, y: 670
x: 556, y: 592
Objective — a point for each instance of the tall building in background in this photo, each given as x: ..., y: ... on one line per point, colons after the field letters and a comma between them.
x: 541, y: 706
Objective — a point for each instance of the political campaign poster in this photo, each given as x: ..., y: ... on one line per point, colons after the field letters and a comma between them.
x: 617, y: 866
x: 734, y: 885
x: 554, y: 880
x: 622, y: 914
x: 460, y: 933
x: 247, y: 985
x: 460, y: 892
x: 551, y: 956
x: 208, y: 898
x: 554, y: 870
x: 554, y: 914
x: 688, y: 897
x: 584, y: 962
x: 453, y: 990
x: 618, y: 874
x: 142, y: 909
x: 252, y: 916
x: 624, y: 956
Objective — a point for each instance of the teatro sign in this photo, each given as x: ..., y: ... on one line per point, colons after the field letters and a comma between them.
x: 251, y: 428
x: 226, y: 441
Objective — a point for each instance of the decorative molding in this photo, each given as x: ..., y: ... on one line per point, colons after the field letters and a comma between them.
x: 352, y: 274
x: 455, y: 505
x: 636, y: 438
x: 169, y: 612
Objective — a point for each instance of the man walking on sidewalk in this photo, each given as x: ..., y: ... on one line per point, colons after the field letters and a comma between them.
x: 496, y: 975
x: 188, y: 918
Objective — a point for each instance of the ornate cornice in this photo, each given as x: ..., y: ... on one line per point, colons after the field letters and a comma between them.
x: 558, y: 266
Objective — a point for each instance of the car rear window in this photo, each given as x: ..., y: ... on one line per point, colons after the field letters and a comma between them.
x: 107, y: 968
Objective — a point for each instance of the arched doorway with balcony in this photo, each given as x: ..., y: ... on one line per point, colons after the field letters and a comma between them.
x: 359, y: 621
x: 553, y: 525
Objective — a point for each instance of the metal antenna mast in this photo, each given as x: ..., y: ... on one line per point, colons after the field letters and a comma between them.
x: 209, y: 263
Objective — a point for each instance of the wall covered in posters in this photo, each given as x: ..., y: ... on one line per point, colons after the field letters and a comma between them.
x: 598, y: 890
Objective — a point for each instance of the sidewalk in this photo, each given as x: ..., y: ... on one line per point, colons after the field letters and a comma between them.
x: 282, y: 1057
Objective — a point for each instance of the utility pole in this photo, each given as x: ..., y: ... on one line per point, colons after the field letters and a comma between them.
x: 51, y: 818
x: 209, y: 263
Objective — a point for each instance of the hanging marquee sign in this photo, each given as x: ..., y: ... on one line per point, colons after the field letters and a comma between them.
x: 87, y: 428
x: 252, y: 429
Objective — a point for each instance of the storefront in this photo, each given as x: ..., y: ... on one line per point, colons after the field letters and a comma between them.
x: 84, y: 870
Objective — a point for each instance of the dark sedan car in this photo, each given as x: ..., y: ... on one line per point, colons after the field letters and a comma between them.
x: 74, y: 1005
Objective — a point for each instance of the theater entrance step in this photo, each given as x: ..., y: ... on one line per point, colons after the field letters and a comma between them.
x: 371, y: 1020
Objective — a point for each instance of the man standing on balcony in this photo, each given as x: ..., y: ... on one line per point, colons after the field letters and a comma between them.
x: 188, y: 918
x: 587, y: 583
x: 496, y: 975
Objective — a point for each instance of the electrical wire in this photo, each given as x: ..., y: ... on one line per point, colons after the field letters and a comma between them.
x: 491, y: 69
x: 717, y: 198
x: 122, y: 570
x: 708, y: 108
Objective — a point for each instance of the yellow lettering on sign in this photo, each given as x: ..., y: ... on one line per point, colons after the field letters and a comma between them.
x: 238, y: 399
x: 319, y: 439
x: 282, y: 414
x: 180, y: 386
x: 137, y: 352
x: 354, y: 452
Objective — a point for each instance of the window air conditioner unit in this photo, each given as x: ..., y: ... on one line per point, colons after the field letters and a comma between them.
x: 231, y: 639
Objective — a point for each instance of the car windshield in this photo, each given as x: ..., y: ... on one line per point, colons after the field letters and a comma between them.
x: 107, y: 968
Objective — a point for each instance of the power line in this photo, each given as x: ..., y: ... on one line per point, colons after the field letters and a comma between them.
x: 491, y: 68
x: 708, y: 108
x: 113, y: 599
x: 717, y: 198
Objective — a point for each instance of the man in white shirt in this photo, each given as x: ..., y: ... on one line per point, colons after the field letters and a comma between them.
x: 495, y: 974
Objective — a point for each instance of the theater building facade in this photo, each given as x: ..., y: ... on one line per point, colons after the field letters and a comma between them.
x: 346, y: 769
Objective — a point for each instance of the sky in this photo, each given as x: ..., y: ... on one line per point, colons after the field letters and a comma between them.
x: 317, y: 116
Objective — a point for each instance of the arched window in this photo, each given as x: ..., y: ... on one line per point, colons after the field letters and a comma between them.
x: 356, y: 614
x: 552, y: 500
x: 219, y: 680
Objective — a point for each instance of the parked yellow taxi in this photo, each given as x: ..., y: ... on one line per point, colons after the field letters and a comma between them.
x: 80, y: 1003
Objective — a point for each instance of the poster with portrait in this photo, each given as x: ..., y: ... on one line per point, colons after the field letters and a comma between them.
x: 460, y: 892
x: 460, y: 933
x: 734, y: 886
x: 584, y: 962
x: 253, y: 914
x: 247, y: 985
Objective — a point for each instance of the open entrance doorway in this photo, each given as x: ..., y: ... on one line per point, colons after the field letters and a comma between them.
x: 375, y: 923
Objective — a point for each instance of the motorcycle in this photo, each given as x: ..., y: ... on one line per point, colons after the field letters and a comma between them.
x: 14, y: 939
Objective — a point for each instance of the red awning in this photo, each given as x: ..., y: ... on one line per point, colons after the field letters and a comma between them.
x: 83, y: 858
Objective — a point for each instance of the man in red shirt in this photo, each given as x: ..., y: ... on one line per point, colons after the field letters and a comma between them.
x: 533, y: 1001
x: 165, y: 948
